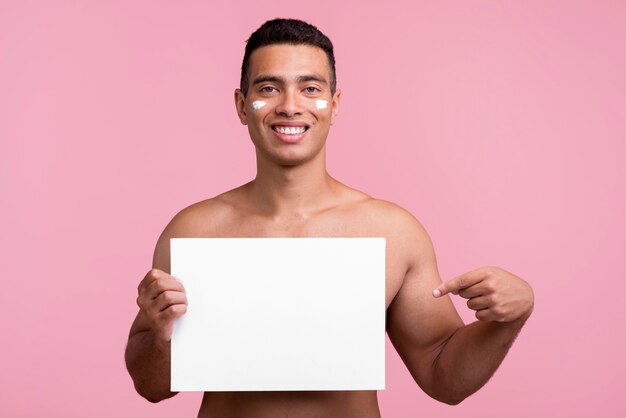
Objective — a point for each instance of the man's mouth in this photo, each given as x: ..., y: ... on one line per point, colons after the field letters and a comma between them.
x: 290, y: 130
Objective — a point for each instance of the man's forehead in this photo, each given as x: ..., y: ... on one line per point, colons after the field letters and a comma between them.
x: 297, y: 60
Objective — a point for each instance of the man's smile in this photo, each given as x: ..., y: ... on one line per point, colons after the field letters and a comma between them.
x: 289, y: 130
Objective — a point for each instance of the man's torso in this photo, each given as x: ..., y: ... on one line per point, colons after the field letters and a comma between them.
x: 352, y: 214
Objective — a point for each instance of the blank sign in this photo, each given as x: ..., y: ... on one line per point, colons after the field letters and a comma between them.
x: 280, y: 314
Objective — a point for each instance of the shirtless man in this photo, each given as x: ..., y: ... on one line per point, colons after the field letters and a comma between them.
x: 288, y: 75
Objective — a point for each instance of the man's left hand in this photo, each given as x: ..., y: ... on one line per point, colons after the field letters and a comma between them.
x: 495, y: 294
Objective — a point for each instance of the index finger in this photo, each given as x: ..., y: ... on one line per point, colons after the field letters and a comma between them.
x: 460, y: 282
x: 151, y: 276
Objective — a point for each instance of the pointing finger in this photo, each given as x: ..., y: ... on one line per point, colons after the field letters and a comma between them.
x: 458, y: 283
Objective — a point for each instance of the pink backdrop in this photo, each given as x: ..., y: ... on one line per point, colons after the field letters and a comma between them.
x: 500, y: 125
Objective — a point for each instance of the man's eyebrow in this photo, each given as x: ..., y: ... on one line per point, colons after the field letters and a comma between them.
x: 266, y: 78
x: 311, y: 77
x: 299, y: 79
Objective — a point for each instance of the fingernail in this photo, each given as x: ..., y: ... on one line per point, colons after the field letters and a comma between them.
x: 436, y: 293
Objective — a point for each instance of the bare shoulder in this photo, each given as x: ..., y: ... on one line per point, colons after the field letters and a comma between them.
x: 404, y: 232
x: 393, y: 218
x: 201, y: 219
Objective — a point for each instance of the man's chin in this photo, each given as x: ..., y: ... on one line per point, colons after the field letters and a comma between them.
x: 291, y: 160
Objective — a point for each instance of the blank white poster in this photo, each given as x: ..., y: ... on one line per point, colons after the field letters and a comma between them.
x: 268, y: 314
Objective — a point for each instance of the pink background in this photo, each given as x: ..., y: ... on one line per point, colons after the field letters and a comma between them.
x: 500, y: 125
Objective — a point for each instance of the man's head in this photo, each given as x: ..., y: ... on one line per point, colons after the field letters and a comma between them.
x: 288, y: 97
x: 290, y: 32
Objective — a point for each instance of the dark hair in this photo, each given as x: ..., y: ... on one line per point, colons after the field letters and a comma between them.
x: 292, y: 32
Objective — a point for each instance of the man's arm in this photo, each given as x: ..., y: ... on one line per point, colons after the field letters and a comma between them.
x: 447, y: 359
x: 161, y: 299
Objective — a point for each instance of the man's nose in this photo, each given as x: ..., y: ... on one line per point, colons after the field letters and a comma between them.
x: 290, y: 103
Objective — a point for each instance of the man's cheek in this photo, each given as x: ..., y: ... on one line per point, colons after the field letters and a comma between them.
x: 258, y: 104
x: 321, y: 104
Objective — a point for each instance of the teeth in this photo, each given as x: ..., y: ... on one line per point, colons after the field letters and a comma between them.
x: 291, y: 130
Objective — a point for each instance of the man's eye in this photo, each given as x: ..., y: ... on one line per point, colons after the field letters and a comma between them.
x: 312, y: 90
x: 268, y: 89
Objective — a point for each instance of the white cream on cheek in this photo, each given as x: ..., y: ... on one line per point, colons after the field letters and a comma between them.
x: 257, y: 104
x: 321, y: 104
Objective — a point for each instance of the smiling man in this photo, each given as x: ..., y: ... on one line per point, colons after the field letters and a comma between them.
x: 288, y: 100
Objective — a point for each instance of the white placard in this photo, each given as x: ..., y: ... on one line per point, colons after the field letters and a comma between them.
x: 280, y: 314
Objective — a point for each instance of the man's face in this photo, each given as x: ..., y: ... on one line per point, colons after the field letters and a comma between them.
x: 289, y: 106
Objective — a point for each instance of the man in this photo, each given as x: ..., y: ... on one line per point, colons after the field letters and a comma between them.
x: 288, y: 99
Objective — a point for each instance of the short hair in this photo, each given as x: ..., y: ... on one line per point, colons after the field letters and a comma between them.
x: 291, y: 32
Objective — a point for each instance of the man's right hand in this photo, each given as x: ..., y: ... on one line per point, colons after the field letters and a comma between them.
x: 161, y: 299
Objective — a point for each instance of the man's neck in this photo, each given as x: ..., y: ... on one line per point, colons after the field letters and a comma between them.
x: 287, y: 191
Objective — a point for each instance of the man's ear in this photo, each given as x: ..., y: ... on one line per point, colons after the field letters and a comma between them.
x: 335, y: 106
x: 240, y: 104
